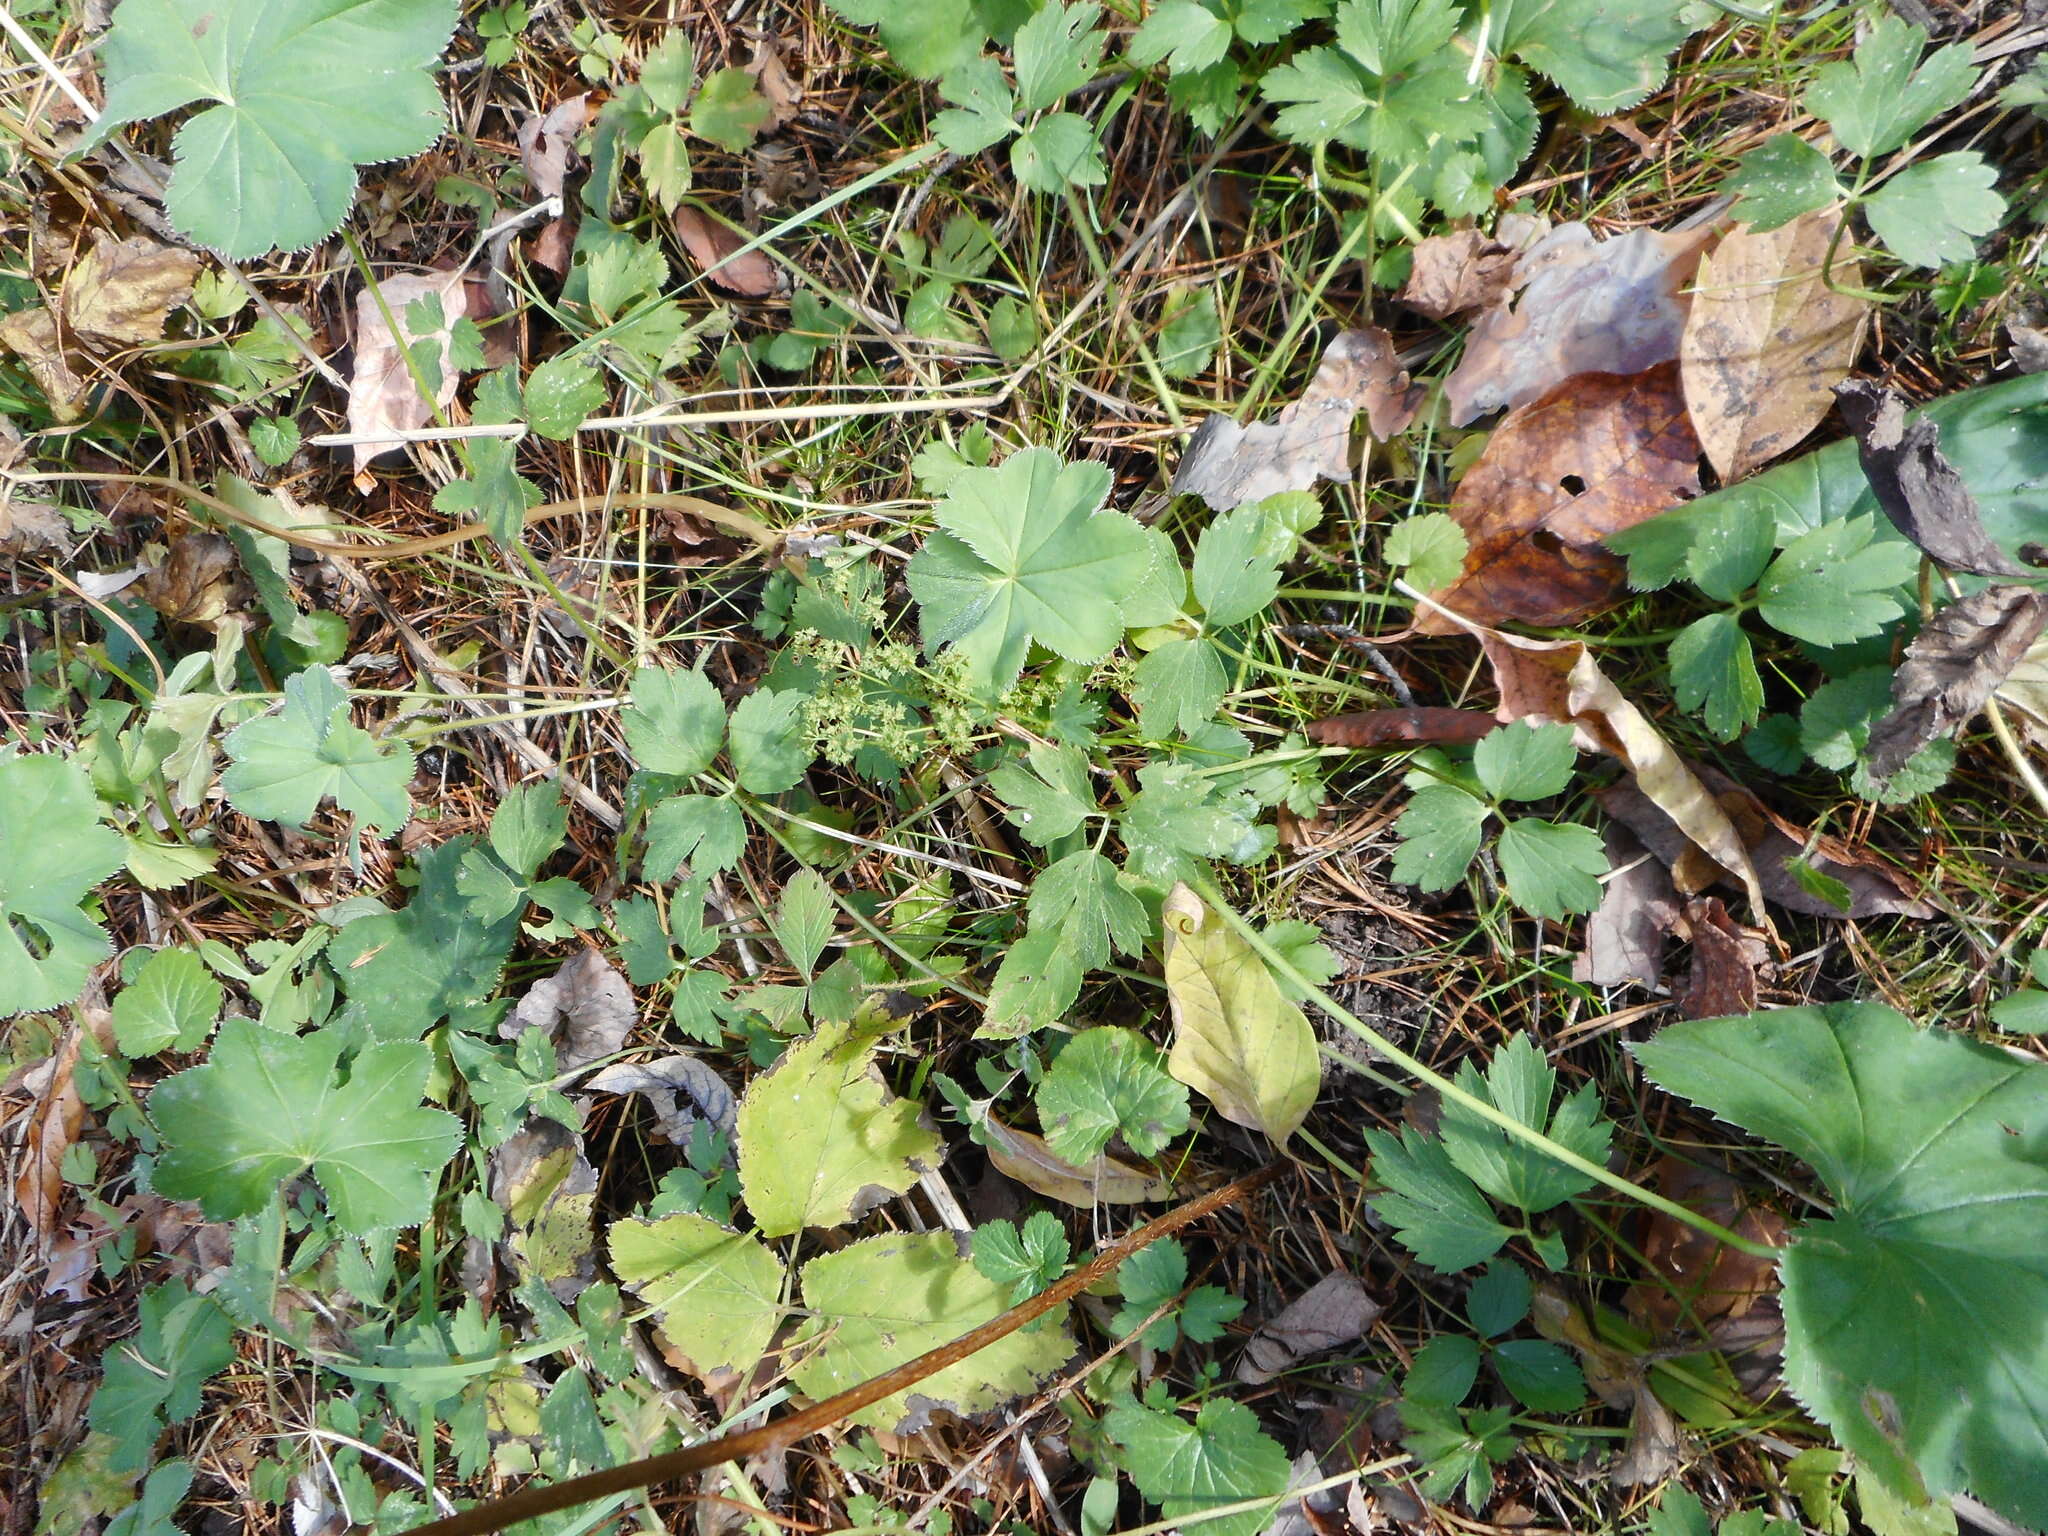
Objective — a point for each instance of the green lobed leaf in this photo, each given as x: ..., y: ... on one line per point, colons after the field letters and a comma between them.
x: 1781, y: 179
x: 1520, y: 761
x: 1436, y: 1211
x: 1186, y: 33
x: 1178, y: 688
x: 1440, y: 832
x: 1932, y: 213
x: 1916, y: 1315
x: 1080, y: 899
x: 47, y: 945
x: 1026, y: 1259
x: 1886, y: 94
x: 717, y: 1294
x: 1431, y: 546
x: 769, y: 752
x: 1108, y: 1082
x: 560, y: 393
x: 266, y: 1107
x: 1520, y: 1082
x: 1048, y: 794
x: 730, y: 110
x: 1056, y: 53
x: 1058, y: 151
x: 1607, y: 55
x: 285, y: 764
x: 708, y: 832
x: 926, y: 38
x: 1713, y: 672
x: 1185, y: 1468
x: 983, y: 114
x: 306, y: 91
x: 1552, y: 869
x: 171, y: 1004
x: 1833, y: 586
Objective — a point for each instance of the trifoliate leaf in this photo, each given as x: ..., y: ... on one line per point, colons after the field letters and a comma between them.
x: 1223, y: 1457
x: 155, y: 1378
x: 675, y: 723
x: 1833, y: 586
x: 1916, y: 1316
x: 1880, y: 100
x: 769, y: 752
x: 405, y: 971
x: 1058, y: 151
x: 730, y: 110
x: 1056, y: 53
x: 821, y: 1139
x: 717, y: 1294
x: 53, y: 851
x: 1520, y: 761
x: 495, y: 493
x: 1026, y: 1260
x: 308, y: 90
x: 889, y: 1299
x: 1049, y: 794
x: 560, y: 393
x: 1079, y: 898
x: 1237, y: 566
x: 1713, y: 669
x: 1932, y: 213
x: 1236, y: 1040
x: 1542, y: 1376
x: 1435, y: 1210
x: 1178, y: 688
x: 172, y: 1003
x: 1780, y: 180
x: 286, y: 764
x: 1440, y: 833
x: 983, y: 115
x: 1108, y: 1082
x: 1552, y: 870
x: 1149, y: 1279
x: 708, y: 832
x: 1607, y: 55
x: 1520, y: 1081
x: 1025, y: 554
x: 267, y: 1107
x: 1431, y: 546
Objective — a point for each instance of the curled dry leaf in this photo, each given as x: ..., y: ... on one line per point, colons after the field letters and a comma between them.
x: 1624, y: 938
x: 587, y: 1001
x: 55, y: 1115
x: 122, y: 291
x: 1227, y: 465
x: 1561, y: 682
x: 2029, y: 347
x: 1584, y: 306
x: 1724, y: 963
x: 1452, y: 274
x: 1767, y: 340
x: 547, y: 143
x: 197, y: 581
x: 1961, y: 658
x: 1025, y: 1157
x: 1919, y: 489
x: 1874, y: 891
x: 777, y: 86
x: 1328, y: 1315
x: 1619, y: 1377
x: 714, y: 248
x: 382, y: 396
x: 1415, y: 726
x: 29, y: 526
x: 681, y: 1090
x: 1598, y: 454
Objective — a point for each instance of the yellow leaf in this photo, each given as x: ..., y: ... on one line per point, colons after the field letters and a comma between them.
x: 1236, y: 1040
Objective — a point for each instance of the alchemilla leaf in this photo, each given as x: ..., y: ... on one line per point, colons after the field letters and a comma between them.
x: 304, y: 92
x: 1916, y: 1316
x: 47, y: 945
x: 286, y: 764
x: 267, y: 1107
x: 1223, y: 1457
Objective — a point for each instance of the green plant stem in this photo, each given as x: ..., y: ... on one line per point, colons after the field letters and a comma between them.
x: 1205, y: 887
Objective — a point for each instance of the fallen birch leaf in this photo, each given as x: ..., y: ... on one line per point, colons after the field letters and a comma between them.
x: 1624, y: 937
x: 1236, y: 1039
x: 1328, y: 1315
x: 1598, y: 454
x: 682, y: 1090
x: 713, y: 248
x: 382, y: 396
x: 586, y: 1007
x: 1919, y: 489
x: 1960, y: 658
x: 1227, y: 465
x: 1767, y: 340
x: 1583, y: 306
x: 121, y: 292
x: 1025, y: 1157
x: 1561, y: 682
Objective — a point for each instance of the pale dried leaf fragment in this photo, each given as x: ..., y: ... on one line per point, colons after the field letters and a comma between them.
x: 1767, y: 340
x: 52, y: 1122
x: 1562, y: 683
x: 585, y: 1006
x: 121, y: 291
x: 1024, y: 1156
x: 1624, y: 938
x: 1227, y: 465
x: 1236, y: 1039
x: 31, y: 334
x: 682, y: 1090
x: 1960, y: 658
x: 197, y: 582
x: 547, y: 143
x: 1328, y: 1315
x: 1584, y: 306
x: 716, y: 250
x: 29, y: 526
x: 777, y: 86
x: 2029, y: 347
x: 382, y: 396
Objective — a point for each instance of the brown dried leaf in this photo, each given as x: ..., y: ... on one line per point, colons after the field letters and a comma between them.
x: 1585, y: 306
x: 31, y: 334
x: 55, y: 1117
x: 587, y: 1001
x: 1598, y: 454
x: 1418, y: 725
x: 197, y: 581
x: 2029, y: 347
x: 28, y: 526
x: 1722, y: 980
x: 1026, y: 1158
x: 1618, y: 1378
x: 1561, y: 682
x: 681, y: 1090
x: 382, y: 396
x: 1227, y: 465
x: 547, y: 143
x: 1329, y: 1314
x: 1457, y: 272
x: 1703, y: 1280
x: 1873, y: 889
x: 1767, y: 340
x: 711, y: 246
x: 1916, y: 485
x: 121, y: 292
x: 776, y: 85
x: 1962, y: 656
x: 1624, y: 937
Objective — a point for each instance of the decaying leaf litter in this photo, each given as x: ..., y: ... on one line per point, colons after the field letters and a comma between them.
x: 691, y: 887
